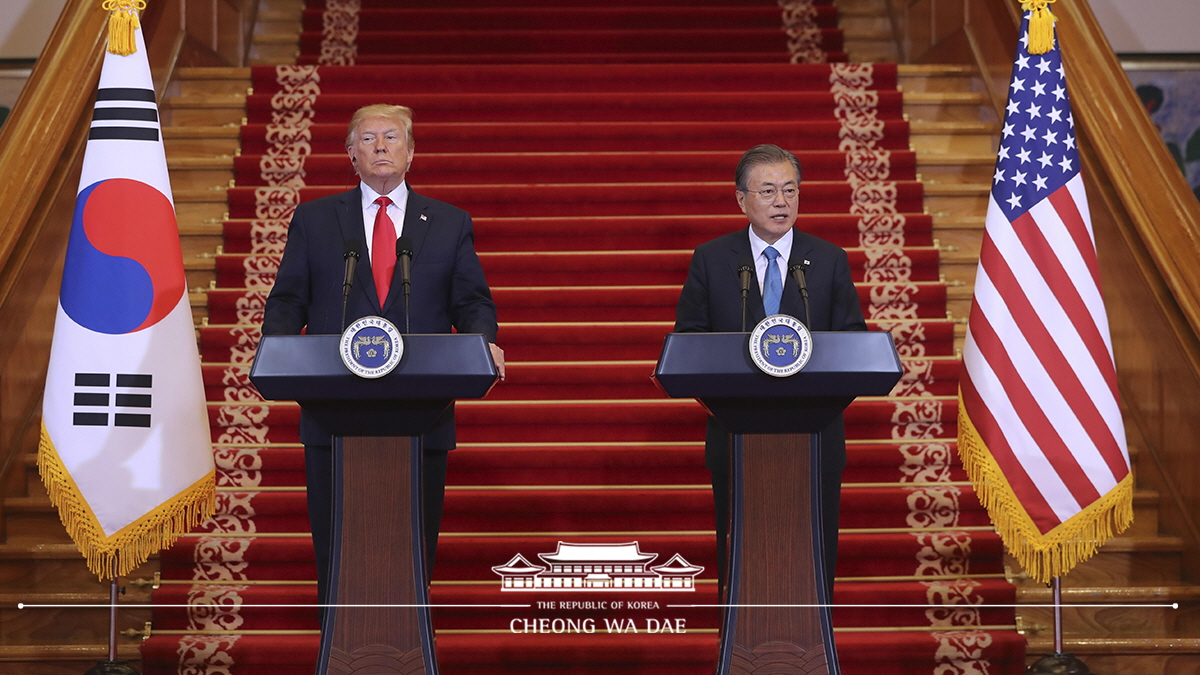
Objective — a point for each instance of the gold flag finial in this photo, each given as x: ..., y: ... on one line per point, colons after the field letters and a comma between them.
x: 122, y: 24
x: 1041, y: 25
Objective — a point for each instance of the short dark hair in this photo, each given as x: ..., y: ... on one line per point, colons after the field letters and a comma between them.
x: 762, y: 154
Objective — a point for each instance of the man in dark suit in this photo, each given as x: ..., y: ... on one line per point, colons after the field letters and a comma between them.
x: 768, y: 191
x: 448, y: 290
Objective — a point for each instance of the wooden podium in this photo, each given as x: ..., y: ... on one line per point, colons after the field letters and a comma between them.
x: 378, y: 619
x: 777, y: 617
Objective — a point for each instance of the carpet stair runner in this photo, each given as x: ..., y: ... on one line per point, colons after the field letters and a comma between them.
x: 591, y: 175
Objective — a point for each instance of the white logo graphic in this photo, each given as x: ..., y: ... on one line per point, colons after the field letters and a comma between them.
x: 780, y: 345
x: 597, y: 567
x: 371, y: 347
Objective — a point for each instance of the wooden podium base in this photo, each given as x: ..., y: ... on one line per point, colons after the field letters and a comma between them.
x: 379, y: 619
x: 778, y: 619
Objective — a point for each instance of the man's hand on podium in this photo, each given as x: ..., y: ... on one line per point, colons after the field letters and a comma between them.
x: 498, y: 357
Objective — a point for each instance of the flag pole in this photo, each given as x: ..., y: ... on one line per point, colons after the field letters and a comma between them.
x: 112, y: 666
x: 114, y: 591
x: 1056, y: 586
x: 1058, y: 663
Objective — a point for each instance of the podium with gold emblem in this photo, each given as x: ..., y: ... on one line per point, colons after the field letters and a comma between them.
x: 379, y: 589
x: 777, y: 616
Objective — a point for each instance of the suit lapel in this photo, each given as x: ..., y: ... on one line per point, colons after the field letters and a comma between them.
x: 416, y: 221
x: 740, y: 250
x: 791, y: 303
x: 350, y: 222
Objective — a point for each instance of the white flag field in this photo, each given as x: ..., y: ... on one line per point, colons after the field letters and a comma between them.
x: 1040, y: 428
x: 125, y: 451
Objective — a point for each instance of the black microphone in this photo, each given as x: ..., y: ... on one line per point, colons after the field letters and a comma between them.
x: 745, y: 272
x: 797, y: 270
x: 351, y: 255
x: 404, y: 254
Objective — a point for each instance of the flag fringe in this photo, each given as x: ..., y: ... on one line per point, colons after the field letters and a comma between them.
x: 1041, y: 25
x: 120, y: 553
x: 123, y: 25
x: 1049, y: 555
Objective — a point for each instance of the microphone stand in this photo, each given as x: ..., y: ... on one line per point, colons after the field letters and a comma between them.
x: 745, y: 269
x: 798, y: 273
x: 404, y: 253
x: 351, y: 255
x: 407, y: 327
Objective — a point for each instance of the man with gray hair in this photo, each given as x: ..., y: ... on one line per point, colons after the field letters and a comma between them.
x: 768, y: 192
x: 448, y: 291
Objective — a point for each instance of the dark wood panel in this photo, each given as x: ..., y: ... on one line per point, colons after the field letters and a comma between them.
x: 777, y: 560
x: 377, y: 624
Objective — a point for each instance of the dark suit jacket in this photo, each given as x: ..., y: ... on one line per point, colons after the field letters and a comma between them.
x: 448, y: 287
x: 711, y: 301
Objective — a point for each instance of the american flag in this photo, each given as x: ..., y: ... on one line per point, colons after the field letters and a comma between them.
x: 1040, y: 429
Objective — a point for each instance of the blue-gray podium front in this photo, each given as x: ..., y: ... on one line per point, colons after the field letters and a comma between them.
x: 379, y: 587
x: 777, y: 617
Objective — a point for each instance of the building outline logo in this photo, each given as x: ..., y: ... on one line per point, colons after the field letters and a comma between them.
x: 597, y: 567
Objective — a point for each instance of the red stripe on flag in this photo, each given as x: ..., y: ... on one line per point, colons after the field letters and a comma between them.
x: 1068, y: 296
x: 1072, y: 218
x: 1023, y: 487
x: 1068, y: 211
x: 1049, y: 443
x: 1052, y: 359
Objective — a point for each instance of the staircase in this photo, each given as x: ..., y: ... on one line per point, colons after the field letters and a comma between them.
x: 954, y: 139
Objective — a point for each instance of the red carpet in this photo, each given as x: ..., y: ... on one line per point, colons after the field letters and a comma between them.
x: 594, y: 146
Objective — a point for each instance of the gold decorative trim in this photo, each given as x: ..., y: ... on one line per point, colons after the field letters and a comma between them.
x: 117, y: 555
x: 1043, y: 556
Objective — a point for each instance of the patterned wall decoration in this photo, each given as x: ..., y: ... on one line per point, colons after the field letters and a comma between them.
x: 1170, y: 90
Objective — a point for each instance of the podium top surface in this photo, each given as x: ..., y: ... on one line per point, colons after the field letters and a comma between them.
x: 434, y: 367
x: 718, y: 365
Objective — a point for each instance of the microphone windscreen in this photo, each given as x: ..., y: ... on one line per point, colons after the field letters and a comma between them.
x: 404, y: 247
x: 745, y: 265
x: 353, y: 248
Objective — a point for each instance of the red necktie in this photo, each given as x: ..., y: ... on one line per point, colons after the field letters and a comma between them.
x: 383, y: 250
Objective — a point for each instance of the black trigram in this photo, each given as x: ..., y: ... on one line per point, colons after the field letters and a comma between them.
x: 96, y: 390
x: 134, y: 110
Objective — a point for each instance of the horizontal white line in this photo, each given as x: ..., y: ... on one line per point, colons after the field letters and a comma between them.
x: 1171, y: 605
x: 22, y: 605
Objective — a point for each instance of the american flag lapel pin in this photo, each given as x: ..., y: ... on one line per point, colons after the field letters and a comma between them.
x: 423, y: 217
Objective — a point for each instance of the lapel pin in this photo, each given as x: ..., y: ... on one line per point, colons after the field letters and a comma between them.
x: 423, y: 217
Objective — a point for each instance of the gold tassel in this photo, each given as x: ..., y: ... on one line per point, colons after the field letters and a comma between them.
x: 1049, y: 555
x: 1041, y: 25
x: 131, y: 546
x: 123, y: 25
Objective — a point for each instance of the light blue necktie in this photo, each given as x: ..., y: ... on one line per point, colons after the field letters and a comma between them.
x: 772, y: 284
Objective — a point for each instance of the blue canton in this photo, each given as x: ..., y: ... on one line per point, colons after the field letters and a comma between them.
x: 1037, y: 153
